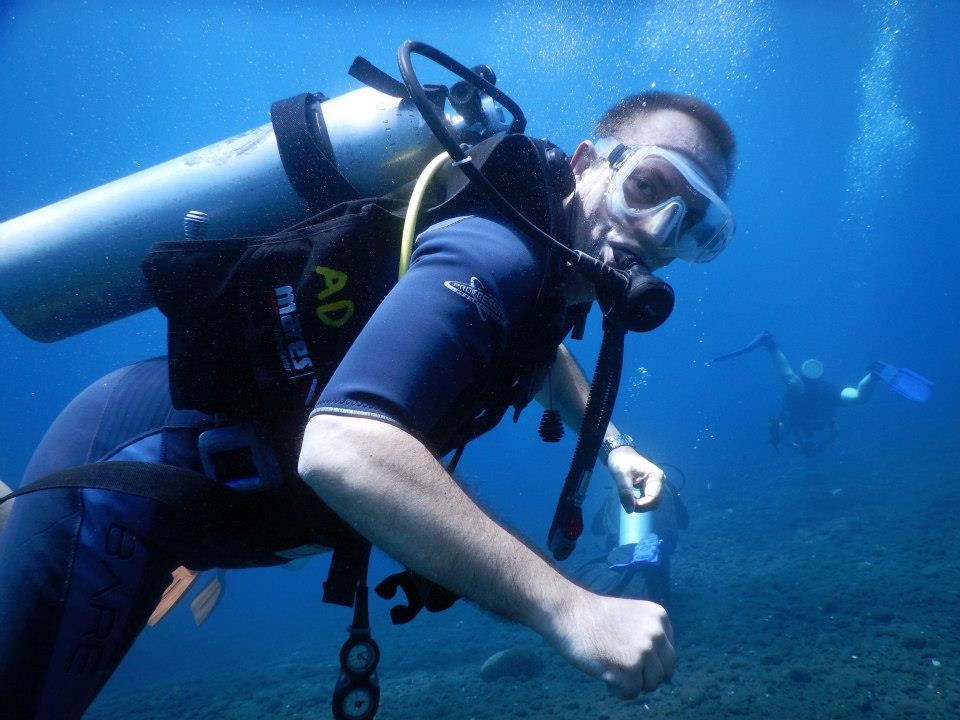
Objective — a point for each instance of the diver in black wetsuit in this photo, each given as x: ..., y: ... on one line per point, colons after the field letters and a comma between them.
x: 637, y: 548
x: 806, y: 421
x: 84, y: 567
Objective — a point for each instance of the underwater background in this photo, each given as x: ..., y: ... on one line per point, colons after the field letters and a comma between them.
x: 825, y: 586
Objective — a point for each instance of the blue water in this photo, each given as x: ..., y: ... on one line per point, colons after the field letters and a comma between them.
x: 845, y: 194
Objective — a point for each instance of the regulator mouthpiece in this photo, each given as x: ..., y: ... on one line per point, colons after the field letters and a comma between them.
x: 645, y: 303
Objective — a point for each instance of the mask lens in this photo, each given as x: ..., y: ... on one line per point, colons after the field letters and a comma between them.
x: 658, y: 193
x: 650, y: 182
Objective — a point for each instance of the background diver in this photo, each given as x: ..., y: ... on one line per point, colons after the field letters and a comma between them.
x: 806, y: 420
x: 637, y: 547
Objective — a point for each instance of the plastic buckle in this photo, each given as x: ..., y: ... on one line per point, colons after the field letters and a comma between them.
x: 241, y: 457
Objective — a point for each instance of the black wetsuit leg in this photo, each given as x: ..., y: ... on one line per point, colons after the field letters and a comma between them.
x: 81, y: 572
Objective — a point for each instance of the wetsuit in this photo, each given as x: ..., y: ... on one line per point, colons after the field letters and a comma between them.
x: 807, y: 418
x: 82, y: 569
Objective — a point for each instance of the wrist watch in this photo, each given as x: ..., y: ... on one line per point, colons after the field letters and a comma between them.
x: 612, y: 442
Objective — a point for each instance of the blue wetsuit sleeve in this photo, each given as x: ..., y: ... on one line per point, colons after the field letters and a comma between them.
x: 439, y: 329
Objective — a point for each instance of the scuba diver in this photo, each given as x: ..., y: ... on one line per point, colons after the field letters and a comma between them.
x: 638, y: 546
x: 212, y: 461
x: 806, y: 420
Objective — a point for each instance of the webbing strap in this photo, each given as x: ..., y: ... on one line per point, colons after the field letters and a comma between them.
x: 306, y: 152
x: 175, y: 486
x: 347, y: 574
x: 166, y: 484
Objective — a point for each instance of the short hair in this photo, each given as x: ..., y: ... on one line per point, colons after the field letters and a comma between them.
x: 643, y: 103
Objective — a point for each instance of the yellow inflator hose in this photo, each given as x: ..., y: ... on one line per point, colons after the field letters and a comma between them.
x: 413, y: 210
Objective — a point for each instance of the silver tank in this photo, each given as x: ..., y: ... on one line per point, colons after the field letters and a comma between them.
x: 75, y: 265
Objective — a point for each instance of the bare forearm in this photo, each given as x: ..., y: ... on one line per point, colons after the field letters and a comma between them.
x: 388, y: 486
x: 6, y: 507
x: 568, y: 392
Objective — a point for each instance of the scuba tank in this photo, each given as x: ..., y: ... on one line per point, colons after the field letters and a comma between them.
x: 75, y: 265
x: 635, y: 526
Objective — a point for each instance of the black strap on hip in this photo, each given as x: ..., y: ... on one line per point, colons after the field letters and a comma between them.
x: 166, y: 484
x: 175, y: 486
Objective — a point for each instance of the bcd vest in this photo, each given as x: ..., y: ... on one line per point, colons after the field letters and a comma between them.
x: 257, y: 326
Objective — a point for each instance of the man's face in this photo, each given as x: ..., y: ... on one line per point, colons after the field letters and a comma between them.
x: 654, y: 178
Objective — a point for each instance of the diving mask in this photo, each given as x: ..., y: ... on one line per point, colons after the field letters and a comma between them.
x: 658, y: 192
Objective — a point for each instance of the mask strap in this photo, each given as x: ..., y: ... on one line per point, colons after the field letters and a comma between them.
x: 617, y: 155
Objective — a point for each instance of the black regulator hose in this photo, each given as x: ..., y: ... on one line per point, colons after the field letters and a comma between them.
x: 567, y: 522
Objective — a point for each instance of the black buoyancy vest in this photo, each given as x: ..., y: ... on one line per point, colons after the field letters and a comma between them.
x: 258, y: 325
x: 812, y: 409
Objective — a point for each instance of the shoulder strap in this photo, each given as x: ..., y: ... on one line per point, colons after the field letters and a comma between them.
x: 533, y: 175
x: 306, y: 152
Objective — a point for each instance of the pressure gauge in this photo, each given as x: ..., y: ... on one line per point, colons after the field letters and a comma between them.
x: 359, y: 655
x: 358, y: 704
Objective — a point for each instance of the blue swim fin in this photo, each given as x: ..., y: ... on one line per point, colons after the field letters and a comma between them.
x: 904, y: 381
x: 645, y: 552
